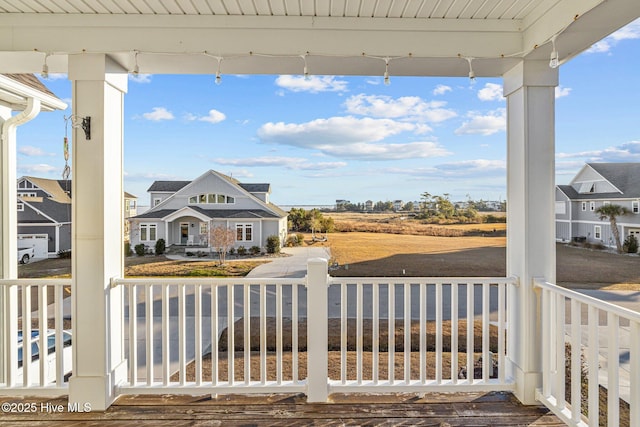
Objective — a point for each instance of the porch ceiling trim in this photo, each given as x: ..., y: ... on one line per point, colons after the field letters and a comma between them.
x: 186, y: 211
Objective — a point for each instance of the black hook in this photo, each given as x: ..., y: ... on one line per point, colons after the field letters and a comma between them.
x: 86, y: 127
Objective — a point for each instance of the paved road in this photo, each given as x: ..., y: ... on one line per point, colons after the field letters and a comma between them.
x: 294, y: 265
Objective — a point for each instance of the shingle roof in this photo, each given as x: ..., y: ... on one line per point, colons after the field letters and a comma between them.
x: 624, y: 176
x: 256, y: 188
x: 213, y: 213
x: 168, y: 186
x: 31, y: 81
x: 61, y: 212
x: 56, y: 188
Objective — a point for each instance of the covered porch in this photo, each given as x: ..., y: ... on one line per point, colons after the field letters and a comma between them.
x: 98, y: 46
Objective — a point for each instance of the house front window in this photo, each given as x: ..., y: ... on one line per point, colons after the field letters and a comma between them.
x: 244, y: 232
x: 148, y: 232
x: 635, y: 206
x: 597, y: 232
x: 592, y: 206
x: 156, y: 201
x: 20, y: 207
x: 584, y: 206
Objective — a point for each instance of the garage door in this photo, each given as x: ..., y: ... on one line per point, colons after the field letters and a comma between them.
x: 40, y: 242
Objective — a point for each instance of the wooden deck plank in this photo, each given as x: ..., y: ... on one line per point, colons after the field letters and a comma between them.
x: 437, y: 409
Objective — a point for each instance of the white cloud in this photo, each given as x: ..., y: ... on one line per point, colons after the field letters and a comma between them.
x: 140, y: 78
x: 629, y: 32
x: 464, y: 168
x: 406, y: 107
x: 312, y: 84
x: 484, y: 124
x: 36, y: 169
x: 30, y: 151
x: 295, y: 163
x: 351, y: 137
x: 442, y: 89
x: 490, y: 92
x: 625, y: 152
x: 562, y: 91
x: 158, y: 114
x: 214, y: 116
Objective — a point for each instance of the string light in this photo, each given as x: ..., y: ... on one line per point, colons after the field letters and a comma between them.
x: 45, y: 67
x: 136, y: 68
x: 387, y: 82
x: 553, y: 60
x: 305, y: 71
x: 472, y: 74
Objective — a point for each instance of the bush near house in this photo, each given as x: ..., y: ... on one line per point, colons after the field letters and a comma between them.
x: 254, y: 250
x: 630, y: 244
x: 127, y: 249
x: 66, y: 254
x: 160, y: 247
x: 273, y: 244
x: 139, y: 248
x: 242, y: 250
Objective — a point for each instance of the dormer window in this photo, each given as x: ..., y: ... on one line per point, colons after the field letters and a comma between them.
x: 210, y: 199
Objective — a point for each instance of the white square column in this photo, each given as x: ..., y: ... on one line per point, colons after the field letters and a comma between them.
x: 530, y: 91
x: 99, y: 85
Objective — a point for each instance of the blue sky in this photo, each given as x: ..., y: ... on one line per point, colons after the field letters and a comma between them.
x: 354, y: 138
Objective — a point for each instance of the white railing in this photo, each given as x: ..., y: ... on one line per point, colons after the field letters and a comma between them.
x: 590, y: 349
x: 47, y: 357
x: 188, y: 336
x: 175, y: 323
x: 429, y: 317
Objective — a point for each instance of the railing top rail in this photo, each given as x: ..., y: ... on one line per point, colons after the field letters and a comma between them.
x: 208, y: 281
x: 589, y: 300
x: 35, y: 282
x: 428, y: 280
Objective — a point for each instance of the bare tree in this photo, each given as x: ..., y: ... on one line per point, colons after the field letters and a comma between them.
x: 221, y: 238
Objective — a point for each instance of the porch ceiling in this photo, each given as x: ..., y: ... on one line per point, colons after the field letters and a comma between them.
x: 350, y: 37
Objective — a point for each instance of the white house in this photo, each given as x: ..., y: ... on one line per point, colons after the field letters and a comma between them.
x: 595, y: 185
x: 183, y: 212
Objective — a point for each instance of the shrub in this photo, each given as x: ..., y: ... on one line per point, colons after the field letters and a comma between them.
x: 160, y: 246
x: 242, y: 250
x: 254, y: 250
x: 293, y: 240
x: 300, y: 237
x: 232, y: 251
x: 273, y: 244
x: 64, y: 253
x: 127, y: 249
x: 139, y: 248
x: 630, y: 244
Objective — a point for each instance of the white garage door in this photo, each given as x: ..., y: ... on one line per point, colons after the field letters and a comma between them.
x: 40, y: 242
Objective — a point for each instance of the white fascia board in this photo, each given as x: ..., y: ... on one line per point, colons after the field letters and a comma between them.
x: 14, y: 87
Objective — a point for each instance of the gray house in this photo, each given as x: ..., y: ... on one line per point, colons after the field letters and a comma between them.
x: 595, y: 185
x: 44, y: 215
x: 183, y: 212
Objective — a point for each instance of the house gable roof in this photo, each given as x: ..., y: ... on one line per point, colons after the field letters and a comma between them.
x: 167, y: 186
x: 50, y: 209
x: 167, y: 214
x: 623, y: 176
x: 56, y: 189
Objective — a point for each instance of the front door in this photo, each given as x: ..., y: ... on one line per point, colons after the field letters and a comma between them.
x: 184, y: 233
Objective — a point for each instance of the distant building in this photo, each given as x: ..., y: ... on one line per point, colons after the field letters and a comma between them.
x: 368, y: 205
x: 397, y: 205
x: 340, y: 204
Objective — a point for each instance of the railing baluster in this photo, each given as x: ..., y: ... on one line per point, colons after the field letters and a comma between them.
x: 546, y: 338
x: 198, y: 333
x: 230, y: 334
x: 501, y: 332
x: 359, y: 333
x: 343, y: 333
x: 294, y: 332
x: 592, y: 361
x: 214, y: 335
x: 576, y: 368
x: 454, y: 332
x: 613, y: 362
x: 559, y: 375
x: 58, y: 297
x: 439, y: 303
x: 149, y: 332
x: 44, y: 328
x: 486, y: 357
x: 26, y: 335
x: 166, y: 335
x: 279, y: 334
x: 247, y: 333
x: 470, y: 332
x: 392, y: 332
x: 423, y: 333
x: 182, y: 332
x: 375, y: 341
x: 133, y: 336
x: 263, y: 333
x: 407, y: 333
x: 634, y: 392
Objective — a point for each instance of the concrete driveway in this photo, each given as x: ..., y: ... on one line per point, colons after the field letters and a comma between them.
x: 294, y: 265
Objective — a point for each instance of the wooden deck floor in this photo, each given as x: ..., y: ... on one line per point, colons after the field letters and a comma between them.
x: 440, y: 409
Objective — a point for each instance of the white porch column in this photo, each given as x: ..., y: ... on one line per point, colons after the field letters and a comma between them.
x: 530, y: 91
x: 99, y: 85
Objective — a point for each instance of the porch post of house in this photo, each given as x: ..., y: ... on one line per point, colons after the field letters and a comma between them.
x: 530, y: 91
x: 98, y: 85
